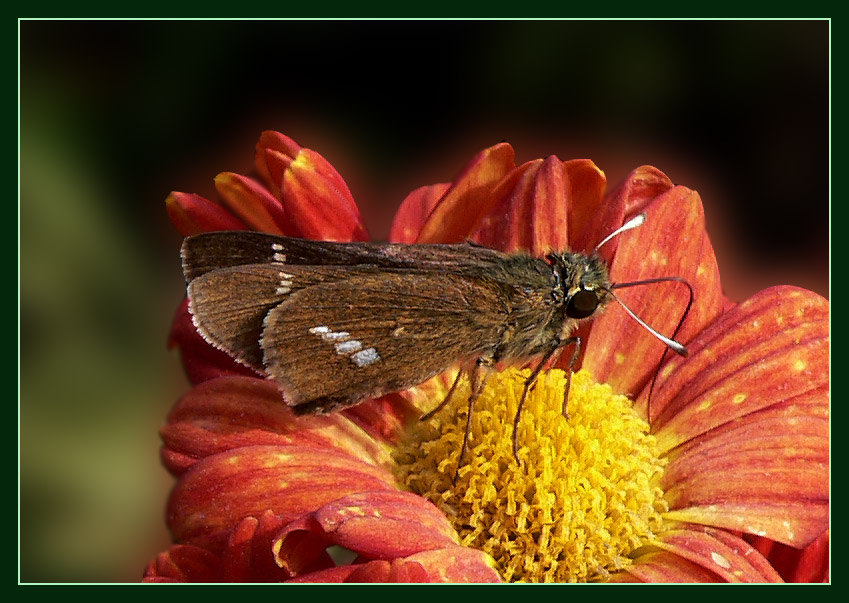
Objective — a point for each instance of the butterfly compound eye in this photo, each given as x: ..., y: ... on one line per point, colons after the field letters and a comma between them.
x: 582, y: 304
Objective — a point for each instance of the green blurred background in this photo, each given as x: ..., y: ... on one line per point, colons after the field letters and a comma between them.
x: 115, y: 114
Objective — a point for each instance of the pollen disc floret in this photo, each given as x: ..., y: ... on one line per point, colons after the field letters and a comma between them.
x: 584, y: 497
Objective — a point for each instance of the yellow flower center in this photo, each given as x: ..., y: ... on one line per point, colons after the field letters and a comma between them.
x: 584, y: 497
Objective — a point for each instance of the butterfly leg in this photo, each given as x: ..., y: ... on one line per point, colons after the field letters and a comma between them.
x: 552, y: 354
x: 445, y: 400
x: 572, y: 361
x: 478, y: 377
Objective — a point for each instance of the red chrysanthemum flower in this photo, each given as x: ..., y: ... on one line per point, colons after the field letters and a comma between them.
x: 721, y: 470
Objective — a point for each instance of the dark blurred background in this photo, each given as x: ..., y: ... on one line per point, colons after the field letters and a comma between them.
x: 115, y: 114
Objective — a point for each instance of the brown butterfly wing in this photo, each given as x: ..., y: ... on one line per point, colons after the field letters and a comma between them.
x: 335, y: 344
x: 229, y: 305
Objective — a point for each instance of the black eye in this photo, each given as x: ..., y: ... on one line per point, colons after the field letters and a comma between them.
x: 582, y: 304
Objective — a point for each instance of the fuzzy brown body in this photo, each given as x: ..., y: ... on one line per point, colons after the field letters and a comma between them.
x: 336, y: 323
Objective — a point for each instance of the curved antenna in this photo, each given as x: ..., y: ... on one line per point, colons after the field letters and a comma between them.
x: 670, y: 342
x: 634, y: 222
x: 637, y: 220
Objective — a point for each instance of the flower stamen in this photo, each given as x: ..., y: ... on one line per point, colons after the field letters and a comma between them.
x: 584, y: 497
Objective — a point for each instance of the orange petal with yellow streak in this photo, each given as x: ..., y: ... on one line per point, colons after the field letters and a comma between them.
x: 469, y: 197
x: 253, y: 204
x: 413, y: 212
x: 192, y: 214
x: 318, y: 201
x: 274, y: 153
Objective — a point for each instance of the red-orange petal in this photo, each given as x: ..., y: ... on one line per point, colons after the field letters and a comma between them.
x: 183, y: 563
x: 673, y: 242
x: 234, y: 411
x: 641, y: 187
x: 796, y: 523
x: 274, y: 153
x: 248, y: 556
x: 215, y: 493
x: 810, y: 564
x: 382, y: 524
x: 717, y: 551
x: 318, y: 201
x: 192, y: 214
x: 586, y: 185
x: 330, y: 575
x: 665, y: 567
x: 592, y: 221
x: 469, y: 197
x: 745, y: 420
x: 384, y: 418
x: 766, y: 350
x: 532, y: 213
x: 414, y: 210
x: 253, y: 204
x: 454, y: 564
x: 778, y: 454
x: 395, y: 571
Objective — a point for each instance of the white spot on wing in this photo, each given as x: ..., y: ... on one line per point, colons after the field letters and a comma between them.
x: 365, y: 357
x: 336, y: 336
x: 347, y: 347
x: 279, y: 257
x: 344, y: 345
x: 276, y: 247
x: 285, y: 285
x: 327, y: 335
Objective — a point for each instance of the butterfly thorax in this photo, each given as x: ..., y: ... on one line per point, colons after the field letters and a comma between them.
x: 542, y: 294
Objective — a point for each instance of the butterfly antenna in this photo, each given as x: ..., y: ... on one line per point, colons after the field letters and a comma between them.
x: 634, y: 222
x: 671, y: 343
